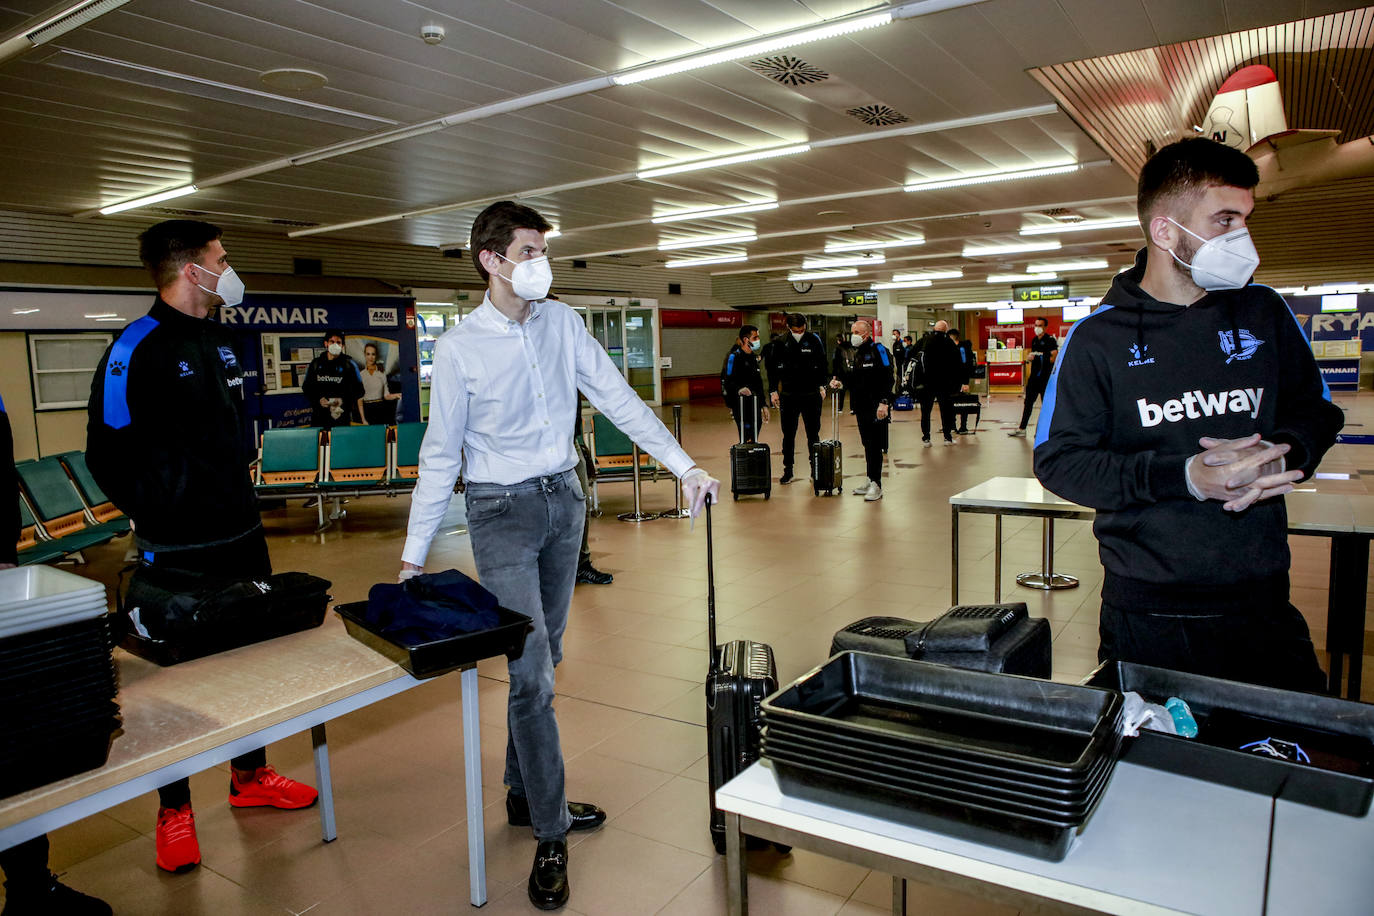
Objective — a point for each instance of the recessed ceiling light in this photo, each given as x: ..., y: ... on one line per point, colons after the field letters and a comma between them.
x: 291, y: 79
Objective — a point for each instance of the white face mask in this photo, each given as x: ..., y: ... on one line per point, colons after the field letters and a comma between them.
x: 229, y: 288
x: 530, y: 279
x: 856, y: 339
x: 797, y: 335
x: 1039, y: 330
x: 1225, y: 261
x: 754, y: 345
x: 335, y: 349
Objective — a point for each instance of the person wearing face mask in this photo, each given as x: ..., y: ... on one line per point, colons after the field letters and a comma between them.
x: 797, y: 380
x: 164, y: 441
x: 333, y: 385
x: 841, y: 364
x: 740, y: 376
x: 503, y: 397
x: 1182, y: 410
x: 870, y: 384
x: 1038, y: 363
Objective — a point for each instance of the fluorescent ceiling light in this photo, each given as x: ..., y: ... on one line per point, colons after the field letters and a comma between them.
x: 974, y: 250
x: 702, y: 262
x: 1086, y: 225
x: 855, y: 261
x: 1081, y: 264
x: 102, y: 315
x: 866, y: 246
x: 1018, y: 278
x: 1331, y: 289
x: 975, y: 306
x: 824, y: 274
x: 149, y: 199
x: 22, y: 311
x: 936, y: 184
x: 756, y: 48
x: 705, y: 240
x: 73, y: 16
x: 901, y: 284
x: 930, y: 275
x: 712, y: 212
x: 722, y: 161
x: 109, y: 318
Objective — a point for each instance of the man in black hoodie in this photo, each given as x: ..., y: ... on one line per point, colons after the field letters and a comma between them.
x: 797, y: 378
x: 1182, y: 410
x: 740, y: 375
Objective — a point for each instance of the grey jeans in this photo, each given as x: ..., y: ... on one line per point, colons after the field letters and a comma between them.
x: 525, y: 538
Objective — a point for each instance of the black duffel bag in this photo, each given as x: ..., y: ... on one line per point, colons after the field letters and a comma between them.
x: 1000, y: 638
x: 171, y: 615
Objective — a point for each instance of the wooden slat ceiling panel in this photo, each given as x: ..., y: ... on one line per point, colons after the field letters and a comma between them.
x: 1127, y: 101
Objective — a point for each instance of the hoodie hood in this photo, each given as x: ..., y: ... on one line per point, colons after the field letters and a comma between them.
x: 1127, y: 295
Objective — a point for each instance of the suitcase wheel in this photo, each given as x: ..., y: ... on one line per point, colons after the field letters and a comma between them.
x: 816, y: 491
x: 736, y: 495
x: 719, y: 844
x: 782, y: 850
x: 767, y: 493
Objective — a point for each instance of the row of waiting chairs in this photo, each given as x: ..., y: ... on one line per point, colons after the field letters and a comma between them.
x: 346, y: 461
x: 62, y: 509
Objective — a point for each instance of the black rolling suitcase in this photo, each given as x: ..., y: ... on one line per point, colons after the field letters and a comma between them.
x: 827, y: 461
x: 964, y: 405
x: 751, y: 465
x: 740, y: 675
x: 1000, y: 638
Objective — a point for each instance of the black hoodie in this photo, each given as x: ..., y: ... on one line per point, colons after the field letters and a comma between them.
x: 1136, y: 384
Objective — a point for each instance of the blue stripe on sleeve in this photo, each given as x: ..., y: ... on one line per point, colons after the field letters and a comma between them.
x: 1042, y: 425
x: 882, y: 352
x: 1326, y: 391
x: 730, y: 363
x: 117, y: 371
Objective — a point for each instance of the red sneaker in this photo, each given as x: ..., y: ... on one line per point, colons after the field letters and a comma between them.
x: 177, y: 848
x: 268, y: 787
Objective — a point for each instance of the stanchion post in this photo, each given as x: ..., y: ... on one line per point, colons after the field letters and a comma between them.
x: 677, y: 511
x: 637, y: 515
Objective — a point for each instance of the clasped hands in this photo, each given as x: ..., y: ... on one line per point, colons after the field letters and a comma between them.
x: 1240, y: 472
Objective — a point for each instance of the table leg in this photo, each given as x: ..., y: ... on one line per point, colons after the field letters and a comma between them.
x: 324, y: 784
x: 736, y: 877
x: 898, y: 896
x: 472, y: 778
x: 997, y: 559
x: 954, y: 558
x: 1046, y: 578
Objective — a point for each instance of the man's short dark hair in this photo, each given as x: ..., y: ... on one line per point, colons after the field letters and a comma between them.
x: 1183, y: 170
x: 334, y: 332
x: 1040, y: 318
x: 953, y: 332
x: 796, y: 320
x: 170, y: 245
x: 907, y: 338
x: 494, y: 229
x: 745, y: 331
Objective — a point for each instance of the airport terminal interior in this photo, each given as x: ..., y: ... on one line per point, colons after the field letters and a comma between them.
x: 966, y: 161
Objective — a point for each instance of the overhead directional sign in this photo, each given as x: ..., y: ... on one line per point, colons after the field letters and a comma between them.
x: 1039, y: 292
x: 860, y: 297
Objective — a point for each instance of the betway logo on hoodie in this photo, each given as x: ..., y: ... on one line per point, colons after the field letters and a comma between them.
x: 1196, y: 404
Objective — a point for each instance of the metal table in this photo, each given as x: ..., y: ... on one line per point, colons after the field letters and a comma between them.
x: 1158, y: 843
x: 189, y: 717
x: 1014, y: 496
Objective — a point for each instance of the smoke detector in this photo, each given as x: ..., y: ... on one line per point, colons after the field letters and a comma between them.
x: 432, y: 34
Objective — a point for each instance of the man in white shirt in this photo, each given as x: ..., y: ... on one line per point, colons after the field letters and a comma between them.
x: 504, y: 395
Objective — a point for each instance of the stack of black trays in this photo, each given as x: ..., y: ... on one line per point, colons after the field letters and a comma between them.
x: 57, y: 682
x: 1013, y: 762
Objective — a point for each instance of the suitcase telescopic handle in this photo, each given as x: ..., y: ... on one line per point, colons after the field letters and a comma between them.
x: 741, y: 420
x: 835, y: 415
x: 710, y: 593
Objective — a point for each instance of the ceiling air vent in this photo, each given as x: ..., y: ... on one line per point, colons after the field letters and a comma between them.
x: 788, y: 70
x: 1063, y: 215
x: 877, y: 115
x: 175, y: 211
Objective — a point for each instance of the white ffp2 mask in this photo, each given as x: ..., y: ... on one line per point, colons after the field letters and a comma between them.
x: 530, y: 279
x: 1225, y: 261
x: 229, y: 288
x: 856, y: 340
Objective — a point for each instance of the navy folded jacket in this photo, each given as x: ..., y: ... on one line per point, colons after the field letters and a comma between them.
x: 429, y: 607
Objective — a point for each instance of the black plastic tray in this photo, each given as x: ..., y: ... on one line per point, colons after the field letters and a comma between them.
x: 1033, y: 798
x: 441, y: 656
x: 303, y: 616
x: 95, y: 632
x: 1020, y: 722
x: 57, y: 758
x: 995, y: 775
x: 967, y: 822
x: 1344, y: 793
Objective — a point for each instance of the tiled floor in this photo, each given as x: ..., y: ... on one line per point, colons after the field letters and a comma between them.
x: 789, y: 571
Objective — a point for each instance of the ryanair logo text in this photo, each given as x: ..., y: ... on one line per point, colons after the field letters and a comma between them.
x: 1196, y: 404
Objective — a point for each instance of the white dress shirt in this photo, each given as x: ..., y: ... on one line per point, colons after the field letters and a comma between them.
x: 503, y: 395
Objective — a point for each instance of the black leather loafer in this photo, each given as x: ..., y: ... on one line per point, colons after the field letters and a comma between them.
x: 585, y: 816
x: 548, y: 887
